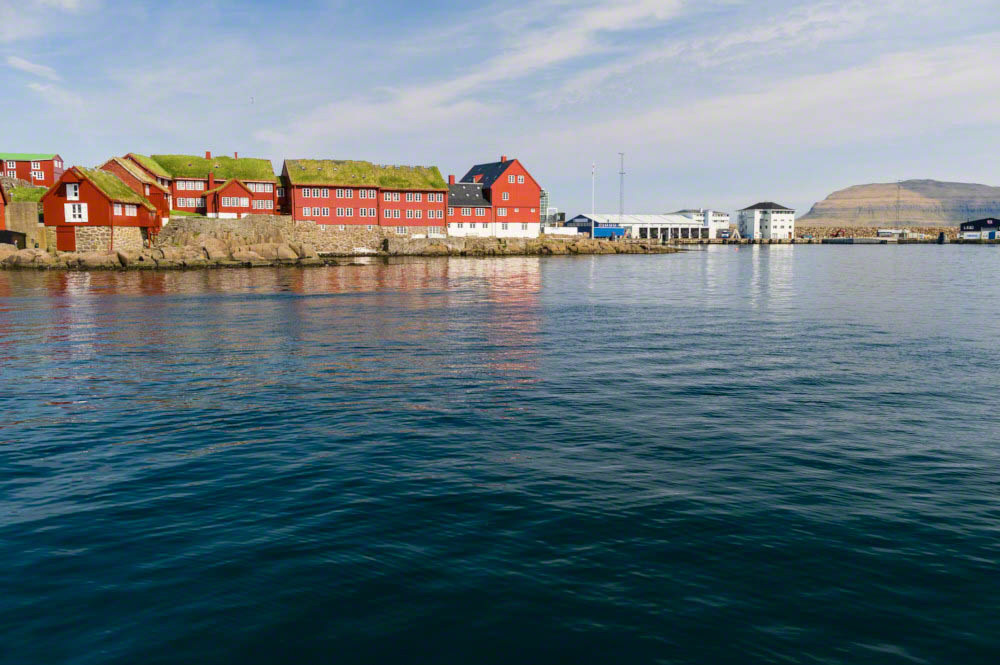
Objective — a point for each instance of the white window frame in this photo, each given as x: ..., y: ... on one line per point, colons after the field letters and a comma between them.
x: 401, y: 229
x: 72, y: 191
x: 511, y: 179
x: 480, y: 212
x: 520, y: 179
x: 466, y: 212
x: 36, y: 166
x: 76, y: 213
x: 131, y: 210
x: 505, y: 196
x: 117, y: 209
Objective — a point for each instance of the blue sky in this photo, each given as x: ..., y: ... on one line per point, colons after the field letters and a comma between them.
x: 716, y: 103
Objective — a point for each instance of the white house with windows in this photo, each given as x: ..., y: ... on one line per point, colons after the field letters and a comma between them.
x: 717, y: 222
x: 767, y: 221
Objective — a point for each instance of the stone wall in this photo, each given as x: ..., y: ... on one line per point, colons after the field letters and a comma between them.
x: 258, y: 229
x: 93, y: 238
x: 23, y: 218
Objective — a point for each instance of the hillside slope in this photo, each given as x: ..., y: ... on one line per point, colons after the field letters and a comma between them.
x: 920, y: 202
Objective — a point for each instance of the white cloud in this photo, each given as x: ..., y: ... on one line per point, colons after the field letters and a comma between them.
x: 32, y: 68
x: 21, y: 21
x: 58, y: 96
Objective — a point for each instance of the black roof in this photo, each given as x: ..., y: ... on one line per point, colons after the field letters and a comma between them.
x: 467, y: 195
x: 980, y: 223
x: 489, y: 172
x: 768, y: 205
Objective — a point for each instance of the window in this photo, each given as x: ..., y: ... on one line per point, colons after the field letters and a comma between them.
x: 395, y: 196
x: 520, y: 179
x: 387, y: 196
x: 370, y: 227
x: 307, y: 193
x: 466, y: 212
x: 341, y: 227
x: 502, y: 212
x: 511, y: 179
x: 36, y: 166
x: 409, y: 214
x: 480, y: 212
x: 131, y: 210
x: 503, y: 226
x: 485, y: 225
x: 72, y: 191
x: 307, y: 212
x: 326, y: 212
x: 280, y: 192
x: 388, y: 214
x: 349, y: 212
x: 263, y: 205
x: 395, y: 214
x: 190, y: 185
x: 418, y: 197
x: 418, y: 213
x: 58, y: 163
x: 372, y: 213
x: 11, y: 174
x: 76, y: 213
x: 340, y: 212
x: 524, y: 227
x: 506, y: 196
x: 11, y: 164
x: 409, y: 196
x: 37, y: 175
x: 400, y: 229
x: 451, y: 211
x: 118, y: 210
x: 460, y: 225
x: 147, y: 190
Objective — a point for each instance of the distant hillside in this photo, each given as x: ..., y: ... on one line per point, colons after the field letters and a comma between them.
x: 921, y: 203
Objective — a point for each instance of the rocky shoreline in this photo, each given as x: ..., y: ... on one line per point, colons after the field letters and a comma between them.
x: 211, y: 252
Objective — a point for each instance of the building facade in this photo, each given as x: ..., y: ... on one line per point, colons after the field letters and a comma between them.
x: 193, y: 181
x: 40, y: 169
x: 514, y: 195
x: 980, y: 229
x: 642, y: 227
x: 717, y: 222
x: 4, y: 200
x: 142, y: 183
x: 767, y: 221
x: 402, y: 200
x: 94, y: 210
x: 470, y: 215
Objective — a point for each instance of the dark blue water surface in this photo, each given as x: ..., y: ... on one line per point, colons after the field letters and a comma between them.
x: 780, y: 455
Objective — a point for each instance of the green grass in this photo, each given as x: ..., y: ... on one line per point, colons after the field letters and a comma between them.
x: 362, y: 174
x: 226, y: 168
x: 183, y: 213
x: 150, y: 164
x: 26, y: 194
x: 27, y: 156
x: 113, y: 187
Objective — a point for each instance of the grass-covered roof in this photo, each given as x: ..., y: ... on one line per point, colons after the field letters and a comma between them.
x: 227, y: 168
x: 150, y: 164
x: 347, y: 173
x: 26, y: 194
x: 113, y: 187
x: 27, y: 156
x: 136, y: 172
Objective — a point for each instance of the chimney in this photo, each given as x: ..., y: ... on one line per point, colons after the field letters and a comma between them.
x: 236, y: 155
x: 208, y: 154
x: 503, y: 158
x: 211, y: 180
x: 451, y: 180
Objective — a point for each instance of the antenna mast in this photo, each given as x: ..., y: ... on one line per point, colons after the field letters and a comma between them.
x: 621, y: 190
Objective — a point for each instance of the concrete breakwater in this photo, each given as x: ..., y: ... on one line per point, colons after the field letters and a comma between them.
x: 268, y: 241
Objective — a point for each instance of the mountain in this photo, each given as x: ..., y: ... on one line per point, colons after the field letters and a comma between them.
x: 920, y: 202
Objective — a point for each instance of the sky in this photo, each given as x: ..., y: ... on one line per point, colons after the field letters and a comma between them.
x: 715, y: 103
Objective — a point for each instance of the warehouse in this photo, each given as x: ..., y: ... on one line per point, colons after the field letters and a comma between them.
x: 981, y: 229
x: 642, y: 227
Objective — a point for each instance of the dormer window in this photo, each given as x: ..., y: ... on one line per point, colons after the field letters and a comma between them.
x: 72, y: 191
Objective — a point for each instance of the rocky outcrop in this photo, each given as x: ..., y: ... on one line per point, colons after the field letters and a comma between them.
x: 516, y: 247
x: 919, y: 202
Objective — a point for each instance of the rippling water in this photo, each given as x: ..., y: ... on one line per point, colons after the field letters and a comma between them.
x: 786, y: 455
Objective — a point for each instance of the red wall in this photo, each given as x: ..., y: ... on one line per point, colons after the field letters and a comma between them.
x: 232, y: 189
x: 187, y: 194
x: 424, y: 206
x: 522, y: 206
x: 457, y: 217
x: 3, y: 214
x: 23, y: 169
x: 379, y: 204
x: 156, y: 196
x: 99, y: 208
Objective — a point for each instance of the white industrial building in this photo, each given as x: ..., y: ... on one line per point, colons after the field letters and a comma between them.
x: 767, y: 221
x: 643, y: 227
x: 717, y: 221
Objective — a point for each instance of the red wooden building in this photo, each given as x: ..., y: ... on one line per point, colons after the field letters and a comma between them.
x: 40, y: 169
x: 190, y: 178
x: 469, y: 212
x: 230, y: 200
x: 94, y: 210
x: 141, y: 182
x: 507, y: 185
x: 405, y: 199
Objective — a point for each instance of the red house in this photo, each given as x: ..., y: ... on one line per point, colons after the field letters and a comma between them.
x: 142, y: 183
x: 94, y: 210
x: 230, y: 200
x: 470, y: 214
x: 405, y: 199
x: 40, y: 169
x: 513, y: 193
